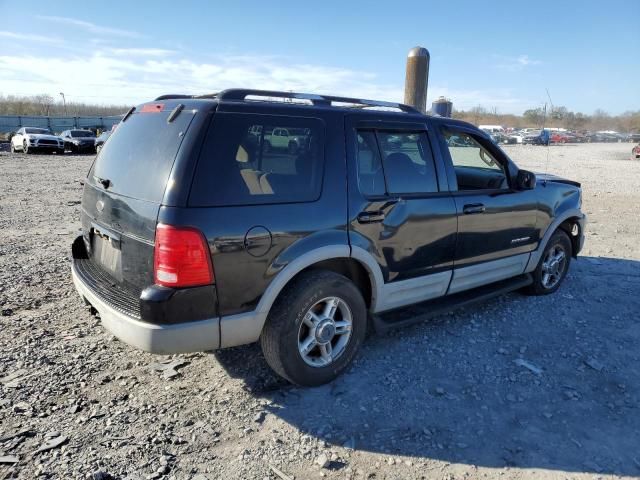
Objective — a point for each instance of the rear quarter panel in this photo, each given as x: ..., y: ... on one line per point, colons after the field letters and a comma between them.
x: 295, y: 228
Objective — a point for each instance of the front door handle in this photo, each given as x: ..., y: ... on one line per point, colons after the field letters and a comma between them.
x: 473, y: 208
x: 371, y: 217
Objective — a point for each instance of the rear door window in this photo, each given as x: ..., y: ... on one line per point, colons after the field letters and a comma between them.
x: 139, y: 155
x: 394, y: 163
x: 259, y: 159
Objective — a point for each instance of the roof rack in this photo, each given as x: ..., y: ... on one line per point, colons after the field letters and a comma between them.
x: 241, y: 94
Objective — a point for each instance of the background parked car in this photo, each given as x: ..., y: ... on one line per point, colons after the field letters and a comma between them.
x: 29, y: 139
x: 99, y: 141
x: 539, y: 137
x: 562, y: 137
x: 79, y: 141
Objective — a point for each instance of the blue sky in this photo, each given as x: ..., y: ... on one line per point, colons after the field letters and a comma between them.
x: 498, y: 54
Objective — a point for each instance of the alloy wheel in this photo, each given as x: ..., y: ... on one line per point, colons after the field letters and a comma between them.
x: 325, y: 331
x: 553, y: 266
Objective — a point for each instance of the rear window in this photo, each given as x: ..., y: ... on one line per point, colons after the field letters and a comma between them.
x: 139, y: 155
x: 259, y: 159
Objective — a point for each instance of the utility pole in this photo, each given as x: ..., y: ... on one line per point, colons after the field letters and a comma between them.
x: 417, y: 78
x: 64, y: 103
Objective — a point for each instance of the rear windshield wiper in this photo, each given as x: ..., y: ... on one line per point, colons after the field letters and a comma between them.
x: 105, y: 182
x: 174, y: 113
x: 128, y: 114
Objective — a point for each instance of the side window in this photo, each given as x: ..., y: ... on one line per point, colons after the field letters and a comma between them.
x: 407, y: 162
x: 475, y: 167
x: 370, y: 174
x: 244, y: 163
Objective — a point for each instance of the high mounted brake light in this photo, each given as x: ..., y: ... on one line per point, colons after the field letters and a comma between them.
x: 181, y: 257
x: 152, y: 108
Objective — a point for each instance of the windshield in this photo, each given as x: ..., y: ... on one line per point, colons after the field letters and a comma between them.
x: 81, y: 133
x: 41, y: 131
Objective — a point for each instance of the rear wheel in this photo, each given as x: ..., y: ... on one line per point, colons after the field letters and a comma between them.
x: 553, y: 266
x: 315, y: 328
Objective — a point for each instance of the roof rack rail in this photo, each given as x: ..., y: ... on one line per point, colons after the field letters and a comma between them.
x: 240, y: 94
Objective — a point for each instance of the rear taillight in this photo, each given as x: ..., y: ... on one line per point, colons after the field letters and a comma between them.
x: 181, y: 257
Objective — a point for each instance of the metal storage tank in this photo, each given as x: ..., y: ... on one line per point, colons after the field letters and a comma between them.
x: 442, y: 106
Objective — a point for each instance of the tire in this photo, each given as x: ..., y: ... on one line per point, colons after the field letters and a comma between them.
x: 25, y: 147
x: 559, y: 242
x: 288, y: 328
x: 12, y: 148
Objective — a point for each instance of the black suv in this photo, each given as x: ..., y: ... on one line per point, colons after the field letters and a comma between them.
x: 78, y: 141
x: 299, y: 220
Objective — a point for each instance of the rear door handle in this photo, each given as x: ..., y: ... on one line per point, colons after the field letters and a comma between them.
x: 371, y: 217
x: 473, y: 208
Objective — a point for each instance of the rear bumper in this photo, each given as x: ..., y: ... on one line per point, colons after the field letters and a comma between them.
x: 157, y: 320
x: 185, y: 337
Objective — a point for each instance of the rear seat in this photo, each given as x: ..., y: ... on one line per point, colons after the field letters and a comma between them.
x: 252, y: 178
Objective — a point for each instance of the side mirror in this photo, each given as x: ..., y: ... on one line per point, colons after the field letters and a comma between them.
x: 525, y: 180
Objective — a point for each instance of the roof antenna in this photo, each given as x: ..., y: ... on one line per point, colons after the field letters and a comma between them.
x: 544, y: 117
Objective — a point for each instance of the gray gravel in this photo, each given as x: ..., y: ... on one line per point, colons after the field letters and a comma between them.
x: 517, y: 387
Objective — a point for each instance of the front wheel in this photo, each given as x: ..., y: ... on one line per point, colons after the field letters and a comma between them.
x: 315, y: 328
x: 25, y: 147
x: 553, y: 266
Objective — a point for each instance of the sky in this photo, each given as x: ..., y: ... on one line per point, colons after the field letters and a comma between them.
x: 502, y: 55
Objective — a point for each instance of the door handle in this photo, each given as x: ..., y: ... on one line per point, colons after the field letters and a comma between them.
x: 473, y: 208
x: 371, y: 217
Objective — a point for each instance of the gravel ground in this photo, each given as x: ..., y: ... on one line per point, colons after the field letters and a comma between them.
x: 518, y: 387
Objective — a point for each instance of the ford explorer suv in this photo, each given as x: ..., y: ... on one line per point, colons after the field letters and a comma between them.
x: 199, y: 233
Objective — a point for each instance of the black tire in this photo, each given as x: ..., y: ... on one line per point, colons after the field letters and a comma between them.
x: 559, y: 240
x: 25, y: 147
x: 280, y: 335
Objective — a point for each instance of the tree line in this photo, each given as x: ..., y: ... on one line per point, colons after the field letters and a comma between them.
x: 46, y: 105
x: 560, y: 117
x: 627, y: 122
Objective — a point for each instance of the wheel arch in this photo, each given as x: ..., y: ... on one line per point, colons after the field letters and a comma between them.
x: 341, y: 259
x: 244, y: 328
x: 567, y: 226
x: 565, y: 220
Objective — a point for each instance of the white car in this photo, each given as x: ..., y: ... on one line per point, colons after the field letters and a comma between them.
x: 30, y: 139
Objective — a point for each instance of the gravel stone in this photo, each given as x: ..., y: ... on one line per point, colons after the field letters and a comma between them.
x: 425, y: 401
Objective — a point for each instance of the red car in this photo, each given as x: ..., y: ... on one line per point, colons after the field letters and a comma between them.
x: 559, y: 137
